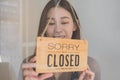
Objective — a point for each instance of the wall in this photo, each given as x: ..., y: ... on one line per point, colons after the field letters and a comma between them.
x: 100, y: 22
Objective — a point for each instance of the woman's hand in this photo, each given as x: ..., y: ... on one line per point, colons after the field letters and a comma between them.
x: 87, y: 75
x: 29, y: 72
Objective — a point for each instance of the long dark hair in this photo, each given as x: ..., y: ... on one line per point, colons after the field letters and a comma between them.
x: 67, y: 6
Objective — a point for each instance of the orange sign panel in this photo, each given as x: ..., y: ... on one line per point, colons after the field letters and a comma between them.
x: 61, y: 55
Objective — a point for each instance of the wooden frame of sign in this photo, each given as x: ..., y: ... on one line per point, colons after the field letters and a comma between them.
x: 61, y: 55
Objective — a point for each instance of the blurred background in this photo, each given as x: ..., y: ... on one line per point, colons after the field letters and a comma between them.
x: 100, y: 21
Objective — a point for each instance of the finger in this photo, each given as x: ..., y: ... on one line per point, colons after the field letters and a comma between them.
x: 89, y: 72
x: 27, y: 72
x: 82, y: 75
x: 30, y: 78
x: 88, y: 68
x: 45, y: 76
x: 28, y: 65
x: 33, y: 59
x: 90, y: 75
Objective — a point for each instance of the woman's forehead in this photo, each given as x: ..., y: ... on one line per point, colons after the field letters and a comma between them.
x: 58, y: 12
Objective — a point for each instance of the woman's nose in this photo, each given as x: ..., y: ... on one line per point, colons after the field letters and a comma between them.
x: 58, y: 28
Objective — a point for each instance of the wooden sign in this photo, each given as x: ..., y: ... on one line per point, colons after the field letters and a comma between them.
x: 61, y: 55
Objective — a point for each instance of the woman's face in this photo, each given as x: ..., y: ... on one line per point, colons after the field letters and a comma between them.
x: 60, y: 23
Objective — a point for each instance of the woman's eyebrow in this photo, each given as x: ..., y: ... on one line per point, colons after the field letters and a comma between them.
x: 50, y: 18
x: 65, y: 17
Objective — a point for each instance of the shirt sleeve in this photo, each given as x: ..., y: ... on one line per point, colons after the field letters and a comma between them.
x: 94, y: 66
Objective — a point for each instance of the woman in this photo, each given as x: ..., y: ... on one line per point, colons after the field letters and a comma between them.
x: 59, y: 20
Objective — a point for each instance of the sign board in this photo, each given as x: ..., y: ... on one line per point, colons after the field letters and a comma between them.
x: 61, y: 55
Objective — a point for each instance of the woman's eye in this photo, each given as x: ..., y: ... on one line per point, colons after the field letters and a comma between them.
x: 51, y: 23
x: 65, y: 22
